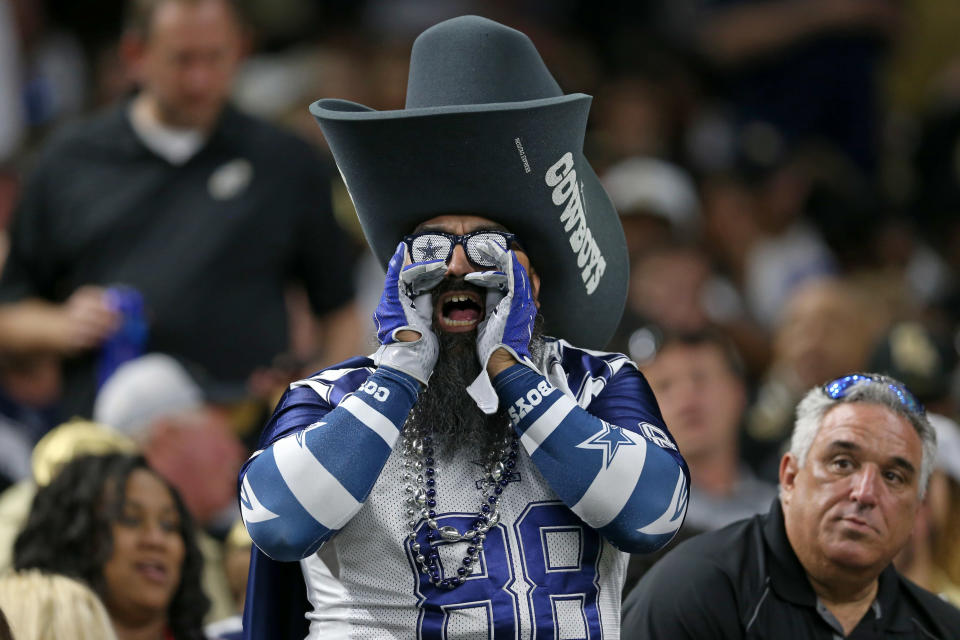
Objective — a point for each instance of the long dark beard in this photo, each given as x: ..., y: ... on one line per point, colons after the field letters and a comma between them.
x: 445, y: 409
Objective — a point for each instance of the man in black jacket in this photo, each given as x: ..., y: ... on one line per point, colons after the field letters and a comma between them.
x: 818, y: 565
x: 207, y: 212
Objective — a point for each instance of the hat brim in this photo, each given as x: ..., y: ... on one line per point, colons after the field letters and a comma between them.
x: 519, y: 164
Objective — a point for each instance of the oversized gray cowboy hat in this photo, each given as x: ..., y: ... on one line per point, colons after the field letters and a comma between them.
x: 487, y: 131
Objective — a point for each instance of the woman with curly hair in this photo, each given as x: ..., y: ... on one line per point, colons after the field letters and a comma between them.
x: 114, y: 523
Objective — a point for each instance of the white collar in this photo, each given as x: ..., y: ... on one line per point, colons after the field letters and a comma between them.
x: 174, y: 144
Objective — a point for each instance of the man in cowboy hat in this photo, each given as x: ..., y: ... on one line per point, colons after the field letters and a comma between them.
x: 472, y: 476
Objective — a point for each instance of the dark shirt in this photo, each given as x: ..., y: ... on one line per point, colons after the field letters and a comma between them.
x: 745, y: 581
x: 824, y: 85
x: 211, y: 243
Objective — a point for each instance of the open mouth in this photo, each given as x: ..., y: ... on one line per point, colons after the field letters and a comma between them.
x: 152, y: 571
x: 459, y: 311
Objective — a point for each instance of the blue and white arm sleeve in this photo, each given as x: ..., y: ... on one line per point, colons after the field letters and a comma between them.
x: 616, y: 467
x: 305, y: 486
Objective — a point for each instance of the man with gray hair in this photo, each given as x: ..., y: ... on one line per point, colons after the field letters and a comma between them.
x: 818, y: 565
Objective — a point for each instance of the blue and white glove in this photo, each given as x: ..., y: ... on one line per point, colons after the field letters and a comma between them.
x: 406, y: 303
x: 508, y: 321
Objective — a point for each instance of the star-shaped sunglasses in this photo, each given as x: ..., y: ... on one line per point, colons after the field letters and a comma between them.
x: 439, y: 245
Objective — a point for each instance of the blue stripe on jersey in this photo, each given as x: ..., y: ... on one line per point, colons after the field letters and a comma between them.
x: 527, y: 395
x: 297, y: 409
x: 627, y: 401
x: 316, y: 477
x: 293, y: 533
x: 588, y: 368
x: 556, y: 435
x: 610, y: 476
x: 574, y: 471
x: 338, y: 448
x: 648, y: 528
x: 341, y: 379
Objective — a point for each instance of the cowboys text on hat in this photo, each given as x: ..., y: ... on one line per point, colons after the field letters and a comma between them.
x: 563, y: 178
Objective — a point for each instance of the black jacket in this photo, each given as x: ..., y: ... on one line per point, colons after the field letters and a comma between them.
x: 212, y: 262
x: 744, y: 581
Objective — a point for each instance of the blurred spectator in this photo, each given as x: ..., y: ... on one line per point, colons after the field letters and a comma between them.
x: 78, y: 438
x: 12, y: 116
x: 674, y: 289
x: 730, y: 225
x: 15, y: 447
x: 827, y: 328
x: 813, y: 344
x: 925, y: 46
x: 30, y: 387
x: 5, y: 633
x: 53, y: 69
x: 154, y: 401
x: 43, y: 73
x: 925, y: 359
x: 659, y: 210
x: 633, y: 117
x: 932, y: 557
x: 905, y: 260
x: 207, y: 212
x: 236, y: 560
x: 672, y: 283
x: 410, y: 17
x: 779, y: 264
x: 47, y: 606
x: 657, y: 202
x: 935, y: 205
x: 698, y: 381
x: 754, y: 220
x: 9, y: 188
x: 189, y: 442
x: 806, y: 67
x: 112, y: 522
x: 57, y: 448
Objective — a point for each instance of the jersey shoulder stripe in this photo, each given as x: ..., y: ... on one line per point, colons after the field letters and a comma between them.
x: 311, y: 398
x: 581, y: 373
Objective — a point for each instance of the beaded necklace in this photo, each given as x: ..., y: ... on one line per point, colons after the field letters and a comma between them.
x: 420, y: 475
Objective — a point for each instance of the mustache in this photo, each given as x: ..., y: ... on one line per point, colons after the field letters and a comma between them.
x: 455, y: 283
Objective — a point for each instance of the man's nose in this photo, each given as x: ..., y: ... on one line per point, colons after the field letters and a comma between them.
x: 198, y: 76
x: 865, y: 487
x: 459, y: 265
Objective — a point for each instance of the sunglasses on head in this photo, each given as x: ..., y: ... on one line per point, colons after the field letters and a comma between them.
x: 439, y: 245
x: 840, y: 387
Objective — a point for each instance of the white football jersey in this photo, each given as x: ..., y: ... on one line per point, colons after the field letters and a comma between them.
x: 540, y: 563
x: 543, y: 573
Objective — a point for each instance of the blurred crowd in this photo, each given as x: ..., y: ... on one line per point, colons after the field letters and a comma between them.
x: 788, y: 177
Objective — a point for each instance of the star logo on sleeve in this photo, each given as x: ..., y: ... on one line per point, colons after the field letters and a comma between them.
x: 609, y: 440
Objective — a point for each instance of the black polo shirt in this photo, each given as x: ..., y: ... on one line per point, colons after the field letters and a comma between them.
x: 745, y: 581
x: 210, y: 243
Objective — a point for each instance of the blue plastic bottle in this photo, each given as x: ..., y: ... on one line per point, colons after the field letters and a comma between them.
x: 130, y: 339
